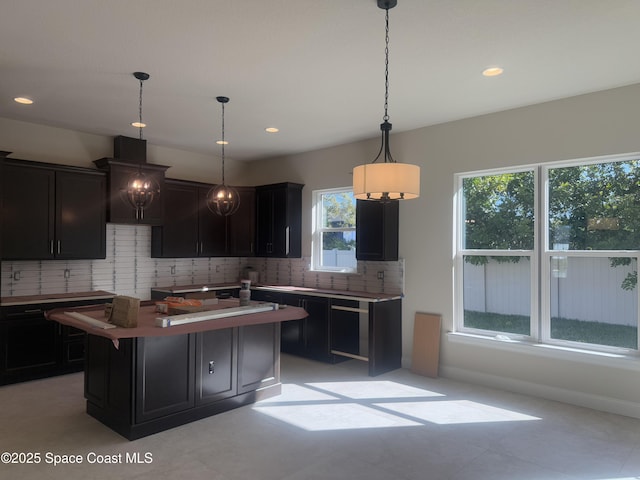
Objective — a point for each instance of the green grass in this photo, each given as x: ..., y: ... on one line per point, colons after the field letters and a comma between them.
x: 581, y: 331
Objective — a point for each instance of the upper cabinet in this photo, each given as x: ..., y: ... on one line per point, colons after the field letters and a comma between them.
x: 377, y: 230
x: 279, y: 220
x: 119, y: 209
x: 190, y: 229
x: 241, y: 226
x: 52, y: 212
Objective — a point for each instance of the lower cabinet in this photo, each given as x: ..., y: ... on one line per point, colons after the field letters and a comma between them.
x: 33, y: 347
x: 310, y: 336
x: 151, y: 384
x: 339, y: 329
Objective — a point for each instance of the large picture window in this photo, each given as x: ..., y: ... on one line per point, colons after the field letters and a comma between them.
x: 549, y: 253
x: 334, y: 233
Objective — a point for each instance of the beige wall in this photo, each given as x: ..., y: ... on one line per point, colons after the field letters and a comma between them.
x: 602, y: 123
x: 41, y: 143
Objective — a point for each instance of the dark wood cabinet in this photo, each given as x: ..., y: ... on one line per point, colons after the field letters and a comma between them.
x: 33, y: 347
x: 241, y: 226
x: 377, y: 230
x: 216, y: 365
x: 370, y: 331
x: 258, y: 360
x: 308, y: 337
x: 51, y: 212
x: 167, y: 365
x: 190, y: 229
x: 150, y: 384
x: 279, y: 220
x: 119, y: 210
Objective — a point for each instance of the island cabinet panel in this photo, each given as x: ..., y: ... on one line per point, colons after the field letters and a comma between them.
x: 279, y: 220
x: 164, y: 376
x: 377, y: 230
x: 151, y: 384
x: 216, y: 365
x: 259, y: 360
x: 52, y: 212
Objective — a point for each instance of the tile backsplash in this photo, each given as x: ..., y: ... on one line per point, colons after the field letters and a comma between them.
x: 129, y: 269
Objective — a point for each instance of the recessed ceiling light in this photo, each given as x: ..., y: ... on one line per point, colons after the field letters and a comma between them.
x: 222, y: 142
x: 492, y: 71
x: 23, y: 100
x: 272, y: 130
x: 138, y: 124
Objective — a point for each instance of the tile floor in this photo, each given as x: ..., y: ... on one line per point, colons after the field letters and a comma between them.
x: 331, y: 422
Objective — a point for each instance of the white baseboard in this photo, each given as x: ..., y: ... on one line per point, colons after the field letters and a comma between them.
x: 596, y: 402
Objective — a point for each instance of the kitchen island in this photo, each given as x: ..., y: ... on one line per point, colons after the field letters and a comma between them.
x: 143, y: 380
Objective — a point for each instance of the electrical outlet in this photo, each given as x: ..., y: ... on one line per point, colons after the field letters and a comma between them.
x: 67, y: 273
x: 16, y: 276
x: 381, y: 275
x: 173, y: 269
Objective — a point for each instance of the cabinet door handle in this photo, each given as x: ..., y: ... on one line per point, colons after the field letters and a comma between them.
x: 59, y: 243
x: 287, y: 241
x: 141, y: 213
x: 51, y: 247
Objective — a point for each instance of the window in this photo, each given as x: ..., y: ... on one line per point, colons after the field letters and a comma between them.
x: 334, y: 230
x: 549, y: 253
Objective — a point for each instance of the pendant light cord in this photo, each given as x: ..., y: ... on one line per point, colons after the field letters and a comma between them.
x: 140, y: 110
x: 386, y: 67
x: 223, y: 144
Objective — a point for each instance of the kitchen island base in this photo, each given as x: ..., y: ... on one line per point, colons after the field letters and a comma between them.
x: 151, y: 384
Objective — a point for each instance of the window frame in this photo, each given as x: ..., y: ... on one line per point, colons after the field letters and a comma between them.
x: 540, y: 258
x: 317, y: 229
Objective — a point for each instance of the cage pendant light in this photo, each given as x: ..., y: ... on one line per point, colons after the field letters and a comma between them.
x: 387, y: 180
x: 141, y: 189
x: 223, y: 199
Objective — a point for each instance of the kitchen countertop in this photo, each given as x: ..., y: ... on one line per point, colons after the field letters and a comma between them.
x: 147, y: 316
x: 318, y: 292
x: 55, y: 298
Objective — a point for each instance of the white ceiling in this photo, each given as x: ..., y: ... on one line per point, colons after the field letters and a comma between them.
x: 313, y: 68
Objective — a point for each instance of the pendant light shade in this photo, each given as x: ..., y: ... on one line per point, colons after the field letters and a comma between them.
x: 387, y: 180
x: 223, y: 199
x: 141, y: 189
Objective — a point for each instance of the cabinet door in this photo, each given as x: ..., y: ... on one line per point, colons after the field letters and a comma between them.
x: 212, y: 228
x: 279, y: 220
x: 80, y: 216
x: 165, y: 373
x: 316, y: 328
x: 216, y: 365
x: 241, y: 226
x: 178, y: 236
x: 377, y: 230
x: 264, y: 223
x: 28, y: 196
x: 258, y: 356
x: 29, y: 347
x: 120, y: 210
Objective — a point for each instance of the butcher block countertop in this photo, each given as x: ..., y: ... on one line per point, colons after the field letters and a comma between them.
x: 317, y: 292
x: 55, y: 298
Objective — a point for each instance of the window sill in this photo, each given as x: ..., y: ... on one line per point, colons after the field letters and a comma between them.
x: 608, y: 359
x: 340, y: 271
